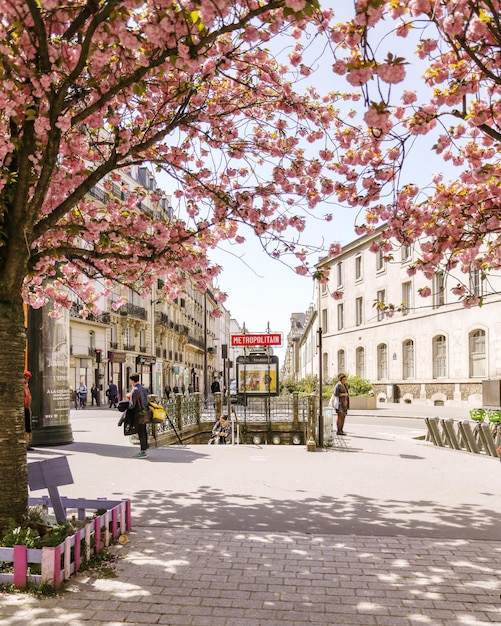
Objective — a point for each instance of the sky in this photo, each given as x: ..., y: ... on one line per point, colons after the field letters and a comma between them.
x: 263, y: 291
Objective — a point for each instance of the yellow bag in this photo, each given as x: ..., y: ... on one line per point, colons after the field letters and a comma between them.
x: 158, y: 412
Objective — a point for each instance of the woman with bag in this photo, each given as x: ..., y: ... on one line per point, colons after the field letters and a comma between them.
x: 340, y: 401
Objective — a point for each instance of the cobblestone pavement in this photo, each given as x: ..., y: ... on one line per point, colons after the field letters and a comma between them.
x: 248, y: 579
x: 382, y: 530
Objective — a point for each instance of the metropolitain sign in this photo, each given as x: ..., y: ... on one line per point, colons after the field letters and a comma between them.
x: 249, y: 340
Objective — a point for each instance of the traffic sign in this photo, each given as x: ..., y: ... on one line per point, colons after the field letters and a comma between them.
x: 256, y: 339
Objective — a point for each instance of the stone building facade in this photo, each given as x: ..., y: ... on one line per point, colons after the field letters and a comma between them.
x: 167, y: 342
x: 422, y: 350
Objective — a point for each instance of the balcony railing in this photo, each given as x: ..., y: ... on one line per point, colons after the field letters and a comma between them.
x: 133, y: 310
x: 162, y: 318
x: 198, y: 343
x: 103, y: 318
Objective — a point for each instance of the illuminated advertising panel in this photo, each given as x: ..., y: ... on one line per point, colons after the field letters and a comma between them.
x: 257, y: 375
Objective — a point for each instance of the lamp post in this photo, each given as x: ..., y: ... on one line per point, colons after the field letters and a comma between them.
x: 320, y: 392
x: 224, y: 356
x: 206, y: 382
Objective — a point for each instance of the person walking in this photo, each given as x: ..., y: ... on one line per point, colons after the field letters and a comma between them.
x: 138, y: 405
x: 340, y: 401
x: 215, y: 388
x: 112, y: 393
x: 27, y: 409
x: 94, y: 393
x: 167, y: 391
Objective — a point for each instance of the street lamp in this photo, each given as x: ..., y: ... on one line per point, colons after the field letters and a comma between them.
x: 206, y: 382
x: 320, y: 392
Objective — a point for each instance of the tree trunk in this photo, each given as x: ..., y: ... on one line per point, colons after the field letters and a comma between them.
x: 13, y: 467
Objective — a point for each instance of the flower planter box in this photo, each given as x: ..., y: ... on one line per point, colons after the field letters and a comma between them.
x: 60, y: 562
x: 363, y: 403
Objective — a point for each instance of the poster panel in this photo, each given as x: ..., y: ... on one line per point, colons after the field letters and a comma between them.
x: 54, y: 348
x: 257, y: 375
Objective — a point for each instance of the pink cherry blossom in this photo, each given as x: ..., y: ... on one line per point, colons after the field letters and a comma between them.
x: 191, y: 90
x: 391, y: 73
x: 453, y: 111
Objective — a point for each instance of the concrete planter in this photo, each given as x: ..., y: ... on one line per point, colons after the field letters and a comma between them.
x: 363, y: 403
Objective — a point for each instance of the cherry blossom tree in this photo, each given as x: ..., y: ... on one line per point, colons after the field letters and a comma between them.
x: 192, y: 87
x: 428, y: 81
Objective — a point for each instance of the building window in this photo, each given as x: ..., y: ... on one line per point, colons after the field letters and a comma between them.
x: 406, y: 297
x: 325, y: 364
x: 339, y: 274
x: 439, y: 356
x: 476, y: 283
x: 341, y: 361
x: 340, y: 316
x: 133, y: 297
x: 324, y: 321
x: 438, y: 289
x: 129, y: 338
x: 382, y: 361
x: 359, y: 311
x: 114, y: 336
x: 381, y: 297
x: 360, y: 362
x: 358, y: 267
x: 379, y: 261
x: 142, y: 341
x: 406, y: 253
x: 477, y: 354
x: 323, y: 288
x: 408, y: 359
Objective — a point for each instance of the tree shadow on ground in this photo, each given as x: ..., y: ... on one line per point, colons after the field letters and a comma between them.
x: 213, y: 508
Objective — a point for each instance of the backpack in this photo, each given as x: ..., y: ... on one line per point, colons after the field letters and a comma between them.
x: 158, y: 413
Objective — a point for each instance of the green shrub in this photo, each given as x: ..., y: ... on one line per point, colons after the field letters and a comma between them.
x: 304, y: 387
x: 357, y: 386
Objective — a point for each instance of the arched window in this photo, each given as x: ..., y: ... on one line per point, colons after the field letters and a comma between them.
x: 341, y: 361
x: 439, y: 356
x: 360, y: 362
x: 382, y: 361
x: 477, y: 354
x: 408, y: 359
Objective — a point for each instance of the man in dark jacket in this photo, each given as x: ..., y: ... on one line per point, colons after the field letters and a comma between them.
x: 112, y: 393
x: 138, y: 404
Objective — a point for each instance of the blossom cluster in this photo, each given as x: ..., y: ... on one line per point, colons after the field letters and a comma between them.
x: 191, y: 88
x: 451, y: 61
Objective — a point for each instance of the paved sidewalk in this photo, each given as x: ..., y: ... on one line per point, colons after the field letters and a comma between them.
x: 383, y: 529
x: 191, y: 577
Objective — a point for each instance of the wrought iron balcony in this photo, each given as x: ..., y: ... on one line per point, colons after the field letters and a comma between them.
x: 133, y: 310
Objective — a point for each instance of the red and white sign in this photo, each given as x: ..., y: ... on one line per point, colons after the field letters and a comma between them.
x: 255, y: 339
